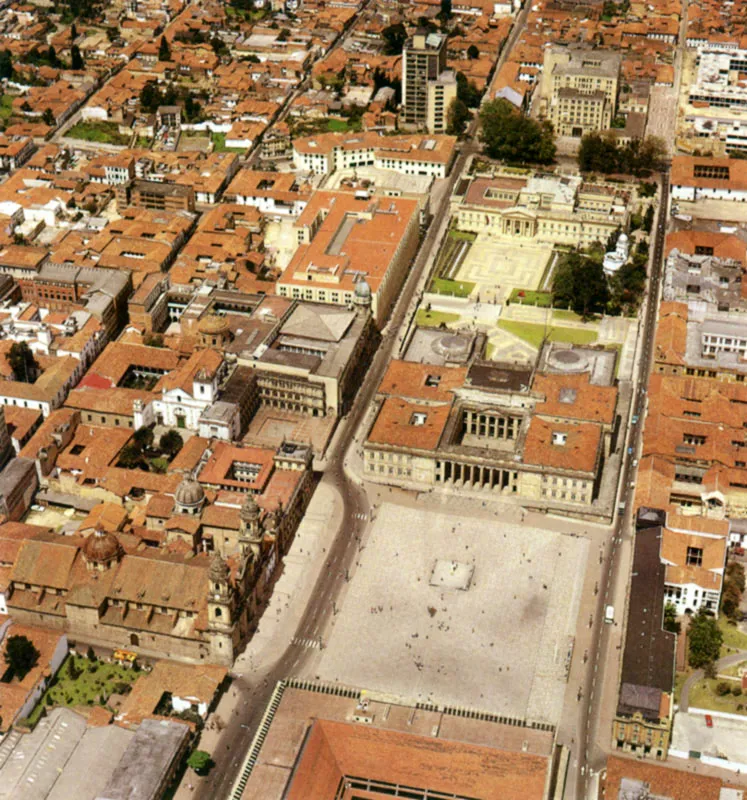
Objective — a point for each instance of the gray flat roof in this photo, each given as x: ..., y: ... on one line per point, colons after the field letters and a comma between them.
x: 150, y: 753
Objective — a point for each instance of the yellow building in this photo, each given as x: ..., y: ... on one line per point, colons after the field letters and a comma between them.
x: 579, y: 89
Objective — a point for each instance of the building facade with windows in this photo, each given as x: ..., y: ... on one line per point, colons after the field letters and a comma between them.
x: 423, y: 62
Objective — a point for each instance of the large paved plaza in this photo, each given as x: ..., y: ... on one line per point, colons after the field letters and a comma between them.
x: 497, y: 268
x: 459, y: 611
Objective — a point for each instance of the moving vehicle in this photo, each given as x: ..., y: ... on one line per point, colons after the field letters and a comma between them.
x: 609, y: 614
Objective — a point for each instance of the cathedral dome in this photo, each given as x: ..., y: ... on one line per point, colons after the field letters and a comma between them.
x: 101, y: 548
x: 213, y: 325
x: 189, y: 493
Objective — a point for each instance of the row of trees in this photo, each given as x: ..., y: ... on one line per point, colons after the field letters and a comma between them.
x: 731, y: 596
x: 603, y: 153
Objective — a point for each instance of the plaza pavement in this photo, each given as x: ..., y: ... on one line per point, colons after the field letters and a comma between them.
x: 396, y: 633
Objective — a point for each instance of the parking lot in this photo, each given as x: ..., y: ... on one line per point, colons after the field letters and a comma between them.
x: 463, y: 611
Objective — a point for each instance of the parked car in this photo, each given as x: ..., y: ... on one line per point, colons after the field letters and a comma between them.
x: 709, y: 720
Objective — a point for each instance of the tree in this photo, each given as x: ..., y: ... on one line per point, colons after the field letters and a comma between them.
x: 473, y: 52
x: 48, y: 118
x: 670, y: 619
x: 150, y: 97
x: 51, y: 57
x: 394, y: 37
x: 457, y: 117
x: 73, y: 32
x: 170, y: 443
x: 21, y: 656
x: 510, y: 136
x: 200, y: 761
x: 90, y: 653
x: 76, y: 59
x: 143, y: 438
x: 730, y: 601
x: 467, y: 91
x: 445, y: 12
x: 648, y: 219
x: 580, y: 283
x: 131, y: 457
x: 22, y: 362
x: 705, y: 640
x: 284, y: 35
x: 6, y: 64
x: 164, y: 51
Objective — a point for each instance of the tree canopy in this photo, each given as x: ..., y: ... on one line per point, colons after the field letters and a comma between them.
x: 457, y: 117
x: 170, y: 443
x: 200, y: 761
x: 705, y: 639
x: 467, y: 91
x: 76, y: 59
x: 21, y: 655
x: 580, y: 283
x: 602, y: 153
x: 394, y: 37
x: 6, y: 64
x: 510, y: 136
x: 21, y: 360
x: 164, y: 51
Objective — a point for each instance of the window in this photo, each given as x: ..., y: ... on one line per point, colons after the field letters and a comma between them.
x: 694, y: 556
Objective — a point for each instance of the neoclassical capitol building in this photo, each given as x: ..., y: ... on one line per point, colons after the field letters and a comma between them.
x: 549, y: 208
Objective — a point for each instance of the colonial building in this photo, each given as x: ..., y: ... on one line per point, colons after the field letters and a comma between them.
x: 190, y: 586
x: 352, y: 248
x: 564, y: 210
x: 643, y: 720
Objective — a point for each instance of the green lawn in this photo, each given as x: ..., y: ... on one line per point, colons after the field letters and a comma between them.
x: 219, y: 144
x: 432, y: 319
x: 96, y: 681
x: 566, y: 315
x: 456, y: 288
x: 462, y: 236
x: 733, y: 670
x: 528, y: 297
x: 6, y: 107
x: 103, y: 132
x: 734, y: 640
x: 534, y: 334
x: 703, y: 695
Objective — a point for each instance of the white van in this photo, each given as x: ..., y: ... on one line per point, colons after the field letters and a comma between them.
x: 609, y: 614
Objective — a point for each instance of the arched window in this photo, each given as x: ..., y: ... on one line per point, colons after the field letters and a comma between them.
x: 218, y: 612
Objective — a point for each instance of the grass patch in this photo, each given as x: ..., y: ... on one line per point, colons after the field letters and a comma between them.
x: 219, y: 144
x: 343, y: 125
x: 432, y: 319
x: 566, y: 316
x: 96, y: 681
x: 529, y: 297
x: 456, y: 288
x: 734, y: 640
x: 6, y: 107
x: 703, y: 695
x: 733, y: 670
x: 462, y: 236
x: 534, y: 334
x: 102, y: 132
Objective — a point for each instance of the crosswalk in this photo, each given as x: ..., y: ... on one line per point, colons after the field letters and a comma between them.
x: 308, y: 643
x: 361, y: 516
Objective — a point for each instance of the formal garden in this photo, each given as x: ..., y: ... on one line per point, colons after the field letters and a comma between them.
x: 84, y: 681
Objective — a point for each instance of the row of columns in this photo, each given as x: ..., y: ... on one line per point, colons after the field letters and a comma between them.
x: 475, y: 475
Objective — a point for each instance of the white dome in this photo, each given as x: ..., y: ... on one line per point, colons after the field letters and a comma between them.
x: 622, y: 238
x: 363, y: 290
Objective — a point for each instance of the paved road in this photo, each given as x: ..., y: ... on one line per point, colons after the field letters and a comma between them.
x: 726, y: 661
x: 592, y: 742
